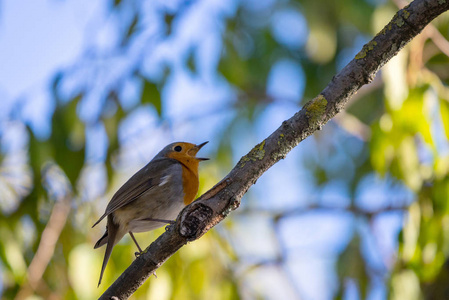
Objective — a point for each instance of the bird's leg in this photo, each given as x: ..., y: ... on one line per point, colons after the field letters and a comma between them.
x: 135, y: 241
x: 158, y: 220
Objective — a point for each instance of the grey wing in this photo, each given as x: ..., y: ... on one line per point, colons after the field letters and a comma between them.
x: 145, y: 179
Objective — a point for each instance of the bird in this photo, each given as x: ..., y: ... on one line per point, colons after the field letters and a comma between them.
x: 153, y: 196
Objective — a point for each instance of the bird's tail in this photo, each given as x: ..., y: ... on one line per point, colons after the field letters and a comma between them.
x: 103, y: 240
x: 111, y: 235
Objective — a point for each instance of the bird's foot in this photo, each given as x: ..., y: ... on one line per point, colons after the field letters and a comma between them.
x: 137, y: 254
x: 169, y: 223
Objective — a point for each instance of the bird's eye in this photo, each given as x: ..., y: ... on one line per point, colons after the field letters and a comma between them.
x: 178, y: 148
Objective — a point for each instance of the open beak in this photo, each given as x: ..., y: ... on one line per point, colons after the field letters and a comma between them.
x: 198, y: 147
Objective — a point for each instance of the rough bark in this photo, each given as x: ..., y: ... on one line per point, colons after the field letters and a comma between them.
x: 213, y: 206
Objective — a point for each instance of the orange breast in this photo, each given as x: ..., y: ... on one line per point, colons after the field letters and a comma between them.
x: 189, y: 175
x: 190, y: 184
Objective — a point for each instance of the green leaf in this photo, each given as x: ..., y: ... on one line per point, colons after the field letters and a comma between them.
x: 131, y: 29
x: 191, y: 63
x: 408, y: 163
x: 151, y: 94
x: 413, y: 117
x: 39, y: 152
x: 444, y: 109
x: 231, y: 65
x: 352, y: 265
x: 381, y: 152
x: 111, y: 124
x: 168, y: 18
x: 67, y: 139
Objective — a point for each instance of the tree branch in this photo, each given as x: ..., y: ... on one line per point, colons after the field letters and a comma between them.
x: 212, y: 207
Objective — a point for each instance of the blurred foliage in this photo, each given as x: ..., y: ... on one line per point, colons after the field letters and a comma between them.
x: 395, y: 130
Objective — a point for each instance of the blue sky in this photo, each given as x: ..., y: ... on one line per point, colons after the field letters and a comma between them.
x: 38, y: 38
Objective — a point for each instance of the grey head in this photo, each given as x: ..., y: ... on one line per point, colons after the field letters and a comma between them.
x: 178, y: 150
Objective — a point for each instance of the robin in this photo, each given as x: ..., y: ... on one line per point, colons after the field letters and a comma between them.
x: 153, y: 196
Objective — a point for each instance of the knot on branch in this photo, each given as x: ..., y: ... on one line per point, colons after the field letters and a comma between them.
x: 233, y: 204
x: 194, y: 221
